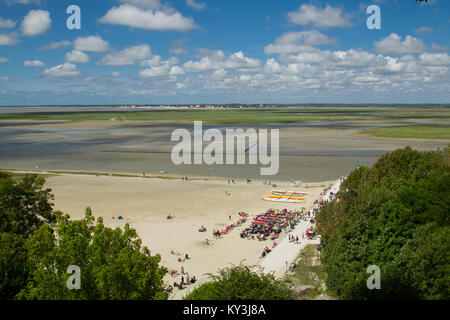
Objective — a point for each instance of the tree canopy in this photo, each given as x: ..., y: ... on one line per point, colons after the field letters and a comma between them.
x: 395, y: 216
x: 241, y: 283
x: 37, y: 245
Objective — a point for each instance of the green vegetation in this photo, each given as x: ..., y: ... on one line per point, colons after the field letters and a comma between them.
x: 37, y: 246
x: 418, y: 132
x: 309, y: 270
x: 281, y: 114
x: 240, y: 283
x: 395, y: 216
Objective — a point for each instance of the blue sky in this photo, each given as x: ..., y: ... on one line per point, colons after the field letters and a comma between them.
x: 216, y: 51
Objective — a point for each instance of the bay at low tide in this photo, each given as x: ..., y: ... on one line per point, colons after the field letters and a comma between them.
x: 308, y: 152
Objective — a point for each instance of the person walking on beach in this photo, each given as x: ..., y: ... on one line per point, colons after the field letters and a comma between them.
x: 296, y: 239
x: 182, y: 270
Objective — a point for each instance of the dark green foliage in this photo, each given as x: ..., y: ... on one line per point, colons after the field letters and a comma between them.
x: 112, y: 262
x: 24, y: 205
x: 240, y: 283
x: 13, y: 273
x: 37, y: 246
x: 380, y: 220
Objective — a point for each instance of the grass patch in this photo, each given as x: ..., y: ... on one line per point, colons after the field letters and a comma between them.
x: 249, y: 115
x: 417, y: 132
x: 309, y: 270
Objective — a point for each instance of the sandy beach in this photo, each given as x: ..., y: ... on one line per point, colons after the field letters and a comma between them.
x: 145, y: 203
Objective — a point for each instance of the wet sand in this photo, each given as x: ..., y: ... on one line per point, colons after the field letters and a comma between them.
x: 308, y: 151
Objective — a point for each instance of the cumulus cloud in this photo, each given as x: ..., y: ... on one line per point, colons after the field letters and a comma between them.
x: 63, y: 70
x: 36, y: 22
x: 3, y: 60
x: 56, y: 45
x: 435, y: 59
x: 218, y: 60
x: 393, y: 44
x: 33, y: 63
x: 350, y: 58
x: 161, y: 68
x: 7, y: 40
x: 161, y: 71
x: 77, y: 56
x: 128, y: 56
x: 7, y: 23
x: 131, y: 16
x: 299, y: 41
x: 91, y: 44
x: 196, y: 5
x: 322, y: 18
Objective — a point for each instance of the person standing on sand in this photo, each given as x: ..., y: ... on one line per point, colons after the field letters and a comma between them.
x: 296, y: 239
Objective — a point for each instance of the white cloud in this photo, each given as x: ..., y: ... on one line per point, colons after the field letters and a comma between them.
x: 56, y: 45
x: 439, y: 48
x: 7, y: 23
x: 318, y: 17
x: 77, y: 56
x: 299, y: 42
x: 161, y: 71
x: 115, y: 74
x: 63, y: 70
x: 128, y: 56
x: 5, y: 78
x: 36, y: 22
x: 7, y: 40
x: 3, y: 60
x: 178, y: 47
x: 424, y: 30
x: 272, y: 66
x: 435, y: 59
x: 152, y: 62
x: 33, y: 63
x: 160, y: 67
x: 128, y: 15
x: 196, y: 5
x: 148, y: 4
x: 91, y: 44
x: 351, y: 58
x: 218, y: 60
x: 393, y: 44
x: 23, y: 1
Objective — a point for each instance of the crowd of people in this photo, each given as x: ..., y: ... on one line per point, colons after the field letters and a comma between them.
x: 243, y: 219
x: 270, y: 224
x: 185, y: 279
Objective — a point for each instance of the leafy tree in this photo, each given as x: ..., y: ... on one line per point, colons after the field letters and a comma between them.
x: 113, y: 264
x: 24, y: 205
x: 13, y: 273
x: 240, y: 283
x: 380, y: 220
